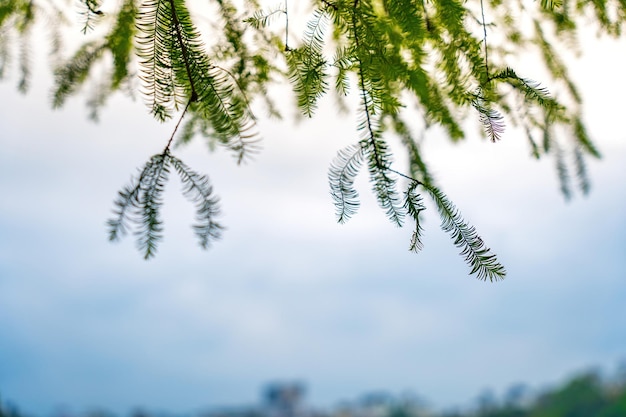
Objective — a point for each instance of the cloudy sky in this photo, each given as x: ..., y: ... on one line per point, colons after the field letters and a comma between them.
x: 287, y: 293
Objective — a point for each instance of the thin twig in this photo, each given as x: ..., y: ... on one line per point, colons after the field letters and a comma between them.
x: 408, y: 177
x: 287, y: 49
x: 482, y: 11
x: 169, y: 142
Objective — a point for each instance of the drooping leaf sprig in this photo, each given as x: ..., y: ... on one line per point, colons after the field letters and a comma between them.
x: 139, y: 204
x: 345, y: 167
x: 373, y: 149
x: 432, y: 55
x: 408, y: 60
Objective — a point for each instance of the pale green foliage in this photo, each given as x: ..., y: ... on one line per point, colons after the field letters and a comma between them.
x: 434, y: 61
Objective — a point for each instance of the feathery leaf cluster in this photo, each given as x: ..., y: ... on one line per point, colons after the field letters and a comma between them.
x: 483, y: 263
x: 307, y: 65
x: 341, y: 175
x: 380, y: 76
x: 414, y: 205
x: 140, y: 203
x: 409, y: 61
x: 492, y: 120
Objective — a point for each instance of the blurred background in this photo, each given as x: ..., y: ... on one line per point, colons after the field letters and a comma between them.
x: 345, y: 314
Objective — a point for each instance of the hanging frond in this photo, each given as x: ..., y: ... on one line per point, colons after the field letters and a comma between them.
x: 562, y: 170
x: 214, y: 92
x: 140, y: 203
x: 120, y: 42
x: 91, y: 12
x: 157, y: 49
x: 125, y: 203
x: 150, y: 231
x: 199, y: 191
x: 24, y: 62
x: 261, y: 19
x: 531, y: 89
x: 226, y: 111
x: 342, y: 61
x: 491, y: 119
x: 314, y: 33
x: 307, y: 65
x: 343, y: 170
x: 554, y: 63
x: 548, y: 139
x: 307, y: 73
x: 414, y: 206
x: 427, y: 54
x: 581, y: 170
x: 551, y: 4
x: 69, y: 77
x: 5, y: 54
x: 583, y: 139
x: 383, y: 180
x: 375, y: 148
x: 482, y: 262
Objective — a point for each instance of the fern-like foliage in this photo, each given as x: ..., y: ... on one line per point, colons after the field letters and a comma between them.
x: 263, y: 18
x: 482, y: 262
x: 413, y: 64
x: 491, y: 119
x: 581, y: 171
x: 158, y: 51
x: 91, y: 12
x: 198, y: 190
x: 18, y: 18
x: 140, y: 202
x: 551, y: 4
x: 343, y: 170
x: 120, y: 42
x: 563, y: 170
x: 532, y: 90
x: 414, y: 206
x: 583, y: 140
x: 16, y: 21
x: 177, y: 70
x: 307, y: 65
x: 71, y: 76
x: 24, y: 61
x: 231, y: 122
x: 376, y: 67
x: 383, y: 180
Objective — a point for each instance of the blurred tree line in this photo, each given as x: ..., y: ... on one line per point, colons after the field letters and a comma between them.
x: 584, y: 395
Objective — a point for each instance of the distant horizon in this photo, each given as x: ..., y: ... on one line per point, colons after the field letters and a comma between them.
x: 421, y: 399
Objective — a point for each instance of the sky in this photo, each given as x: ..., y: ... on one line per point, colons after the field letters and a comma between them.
x: 288, y: 294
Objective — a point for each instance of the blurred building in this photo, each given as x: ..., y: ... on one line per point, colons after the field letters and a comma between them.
x: 287, y: 399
